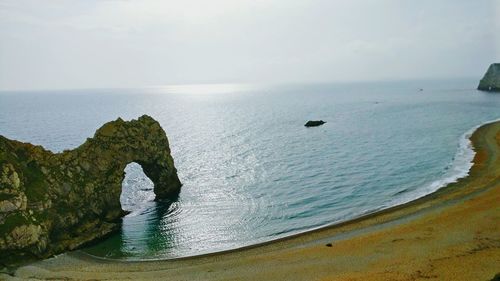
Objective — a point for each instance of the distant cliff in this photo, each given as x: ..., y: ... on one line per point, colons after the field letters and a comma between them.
x: 491, y: 80
x: 50, y: 203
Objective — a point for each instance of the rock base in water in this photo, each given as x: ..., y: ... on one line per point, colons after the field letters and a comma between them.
x: 54, y: 202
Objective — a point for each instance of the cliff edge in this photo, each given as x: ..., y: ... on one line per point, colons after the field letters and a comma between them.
x: 54, y: 202
x: 491, y: 80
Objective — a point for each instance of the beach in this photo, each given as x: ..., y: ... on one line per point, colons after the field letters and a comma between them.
x: 451, y: 234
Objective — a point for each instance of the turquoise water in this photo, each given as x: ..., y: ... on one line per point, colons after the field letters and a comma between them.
x: 251, y: 171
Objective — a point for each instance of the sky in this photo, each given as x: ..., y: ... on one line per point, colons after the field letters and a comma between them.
x: 70, y: 44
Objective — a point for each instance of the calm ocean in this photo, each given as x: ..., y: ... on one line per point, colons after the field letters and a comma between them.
x: 251, y: 171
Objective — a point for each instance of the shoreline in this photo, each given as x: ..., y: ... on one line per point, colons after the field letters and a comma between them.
x: 458, y: 172
x: 481, y: 184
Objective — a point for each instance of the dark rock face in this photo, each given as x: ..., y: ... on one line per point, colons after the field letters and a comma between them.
x: 50, y: 203
x: 491, y: 80
x: 314, y: 123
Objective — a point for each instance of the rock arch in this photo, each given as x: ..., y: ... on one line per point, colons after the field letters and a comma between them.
x: 51, y: 203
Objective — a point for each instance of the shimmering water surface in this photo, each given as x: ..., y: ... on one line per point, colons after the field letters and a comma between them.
x: 251, y: 171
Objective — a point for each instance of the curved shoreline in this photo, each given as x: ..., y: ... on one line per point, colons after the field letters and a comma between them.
x: 465, y: 148
x: 307, y: 250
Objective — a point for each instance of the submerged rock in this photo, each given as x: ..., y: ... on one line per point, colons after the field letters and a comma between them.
x: 491, y: 80
x: 314, y: 123
x: 53, y: 202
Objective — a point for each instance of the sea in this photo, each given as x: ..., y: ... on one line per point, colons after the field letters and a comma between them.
x: 251, y: 171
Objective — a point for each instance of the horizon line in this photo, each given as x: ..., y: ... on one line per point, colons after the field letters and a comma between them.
x: 235, y: 83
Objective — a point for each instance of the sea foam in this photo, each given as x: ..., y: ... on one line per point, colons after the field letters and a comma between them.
x: 458, y: 168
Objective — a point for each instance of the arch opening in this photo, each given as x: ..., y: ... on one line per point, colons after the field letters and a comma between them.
x: 137, y: 188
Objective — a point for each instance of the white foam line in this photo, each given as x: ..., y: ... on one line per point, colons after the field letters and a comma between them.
x: 459, y: 168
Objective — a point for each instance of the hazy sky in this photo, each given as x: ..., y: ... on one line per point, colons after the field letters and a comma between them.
x: 112, y: 43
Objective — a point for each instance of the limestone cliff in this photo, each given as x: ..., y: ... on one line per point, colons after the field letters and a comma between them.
x: 50, y: 203
x: 491, y: 80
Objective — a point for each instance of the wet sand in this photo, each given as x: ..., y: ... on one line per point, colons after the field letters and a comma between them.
x: 452, y: 234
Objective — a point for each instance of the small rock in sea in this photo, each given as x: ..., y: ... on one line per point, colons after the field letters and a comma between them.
x: 329, y: 244
x: 314, y: 123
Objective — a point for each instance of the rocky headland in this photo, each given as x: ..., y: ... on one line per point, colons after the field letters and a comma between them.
x: 491, y: 79
x: 54, y: 202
